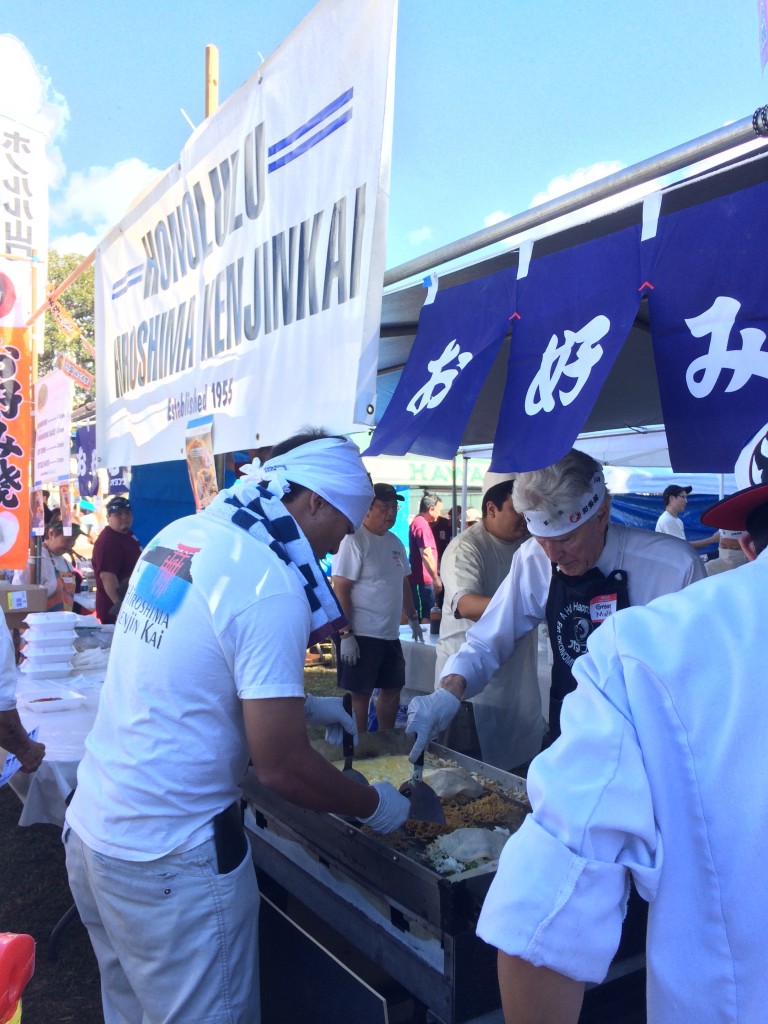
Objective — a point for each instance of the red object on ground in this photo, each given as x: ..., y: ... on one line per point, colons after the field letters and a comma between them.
x: 17, y: 965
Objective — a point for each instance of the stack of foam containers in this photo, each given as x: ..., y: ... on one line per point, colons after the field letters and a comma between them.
x: 49, y: 645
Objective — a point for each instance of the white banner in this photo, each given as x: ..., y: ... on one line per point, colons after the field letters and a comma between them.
x: 53, y: 420
x: 23, y: 222
x: 247, y: 283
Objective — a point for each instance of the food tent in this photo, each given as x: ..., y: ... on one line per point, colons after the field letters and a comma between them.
x: 654, y: 314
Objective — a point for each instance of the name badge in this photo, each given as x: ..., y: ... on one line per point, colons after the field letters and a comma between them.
x: 602, y: 606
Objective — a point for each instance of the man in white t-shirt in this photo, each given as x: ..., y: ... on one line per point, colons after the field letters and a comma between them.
x: 507, y: 714
x: 669, y: 522
x: 206, y: 673
x: 13, y: 735
x: 370, y: 579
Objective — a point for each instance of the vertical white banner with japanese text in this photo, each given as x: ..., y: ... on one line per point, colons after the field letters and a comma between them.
x: 53, y: 421
x: 23, y: 222
x: 246, y: 283
x: 23, y: 259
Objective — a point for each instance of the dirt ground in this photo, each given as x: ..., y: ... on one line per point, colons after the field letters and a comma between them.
x: 34, y: 894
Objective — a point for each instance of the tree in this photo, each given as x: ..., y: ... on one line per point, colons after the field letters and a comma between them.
x: 77, y: 300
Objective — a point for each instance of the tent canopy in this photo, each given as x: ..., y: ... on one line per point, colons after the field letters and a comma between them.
x: 719, y: 211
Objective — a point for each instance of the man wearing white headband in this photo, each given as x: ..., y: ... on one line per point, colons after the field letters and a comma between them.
x: 577, y: 569
x: 206, y: 672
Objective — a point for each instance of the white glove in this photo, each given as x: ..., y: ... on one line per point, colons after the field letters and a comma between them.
x: 416, y: 633
x: 427, y: 716
x: 350, y: 651
x: 329, y: 711
x: 392, y: 811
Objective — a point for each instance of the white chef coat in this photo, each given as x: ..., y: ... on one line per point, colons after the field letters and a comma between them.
x: 658, y: 772
x: 655, y: 564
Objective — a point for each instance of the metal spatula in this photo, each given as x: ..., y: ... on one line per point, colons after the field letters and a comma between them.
x: 348, y: 747
x: 425, y: 803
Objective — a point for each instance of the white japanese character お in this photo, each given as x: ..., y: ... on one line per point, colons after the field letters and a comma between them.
x: 442, y: 378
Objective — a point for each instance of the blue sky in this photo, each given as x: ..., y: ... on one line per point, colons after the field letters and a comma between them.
x: 499, y: 104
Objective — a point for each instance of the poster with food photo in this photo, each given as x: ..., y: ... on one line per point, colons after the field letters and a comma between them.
x: 200, y: 462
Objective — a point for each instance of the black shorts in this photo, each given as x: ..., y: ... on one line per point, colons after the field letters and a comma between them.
x: 381, y: 666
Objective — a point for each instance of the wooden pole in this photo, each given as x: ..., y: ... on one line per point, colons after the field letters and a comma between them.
x: 211, y: 79
x: 35, y: 543
x: 211, y: 106
x: 62, y: 287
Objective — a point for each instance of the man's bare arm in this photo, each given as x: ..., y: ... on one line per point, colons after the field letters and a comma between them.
x: 14, y: 739
x: 537, y: 995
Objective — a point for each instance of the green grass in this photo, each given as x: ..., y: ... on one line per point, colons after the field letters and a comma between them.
x: 321, y: 681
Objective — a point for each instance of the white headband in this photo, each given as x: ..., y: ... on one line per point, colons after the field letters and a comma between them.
x: 328, y: 466
x: 542, y: 524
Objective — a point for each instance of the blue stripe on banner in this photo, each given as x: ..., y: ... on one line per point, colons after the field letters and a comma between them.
x: 300, y: 150
x: 321, y: 115
x: 131, y: 277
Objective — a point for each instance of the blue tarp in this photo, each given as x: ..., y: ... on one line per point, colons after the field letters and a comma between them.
x: 644, y: 509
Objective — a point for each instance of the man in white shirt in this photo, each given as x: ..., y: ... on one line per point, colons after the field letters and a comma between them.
x: 657, y: 775
x: 370, y: 579
x: 675, y: 501
x: 206, y: 672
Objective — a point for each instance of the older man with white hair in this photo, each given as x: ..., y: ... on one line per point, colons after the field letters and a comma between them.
x: 577, y: 569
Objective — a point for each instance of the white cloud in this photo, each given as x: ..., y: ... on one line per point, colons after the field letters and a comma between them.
x: 27, y: 95
x: 85, y: 204
x: 420, y: 236
x: 566, y: 183
x: 495, y: 218
x: 94, y: 200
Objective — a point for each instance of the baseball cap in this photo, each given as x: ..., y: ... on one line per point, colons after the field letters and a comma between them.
x: 731, y: 513
x: 118, y: 505
x: 386, y: 492
x: 674, y: 491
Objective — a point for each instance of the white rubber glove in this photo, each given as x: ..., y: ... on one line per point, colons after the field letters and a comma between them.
x: 427, y: 716
x: 393, y: 809
x: 329, y: 711
x: 416, y: 632
x: 350, y: 651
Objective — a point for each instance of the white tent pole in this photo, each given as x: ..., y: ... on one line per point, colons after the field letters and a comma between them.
x: 464, y: 489
x: 656, y: 167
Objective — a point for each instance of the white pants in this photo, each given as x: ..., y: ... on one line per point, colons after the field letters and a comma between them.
x: 176, y: 942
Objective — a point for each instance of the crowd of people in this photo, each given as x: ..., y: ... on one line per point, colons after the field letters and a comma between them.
x: 653, y: 716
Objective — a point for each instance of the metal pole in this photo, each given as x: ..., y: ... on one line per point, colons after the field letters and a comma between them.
x: 656, y: 167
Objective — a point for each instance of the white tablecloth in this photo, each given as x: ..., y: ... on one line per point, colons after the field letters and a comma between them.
x: 419, y: 662
x: 63, y: 732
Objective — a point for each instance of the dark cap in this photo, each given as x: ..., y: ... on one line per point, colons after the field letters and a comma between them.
x: 118, y: 505
x: 386, y: 492
x: 674, y: 491
x: 58, y: 527
x: 731, y: 513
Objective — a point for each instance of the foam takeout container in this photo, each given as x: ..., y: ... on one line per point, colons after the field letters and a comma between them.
x: 45, y: 700
x: 48, y: 670
x: 51, y: 621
